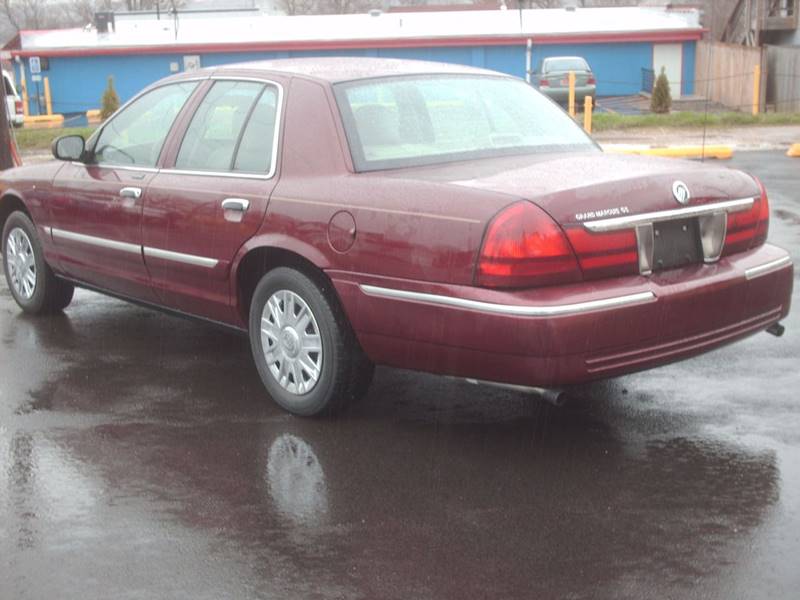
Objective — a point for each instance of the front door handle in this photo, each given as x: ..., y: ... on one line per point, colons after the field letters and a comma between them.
x: 131, y: 192
x: 237, y: 204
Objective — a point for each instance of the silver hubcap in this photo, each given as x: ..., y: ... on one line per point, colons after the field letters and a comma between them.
x: 291, y: 342
x: 21, y: 263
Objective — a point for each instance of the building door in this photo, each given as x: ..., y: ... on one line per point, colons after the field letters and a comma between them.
x: 670, y: 57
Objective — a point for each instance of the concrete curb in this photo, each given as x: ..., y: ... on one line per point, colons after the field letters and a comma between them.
x: 712, y: 151
x: 46, y: 120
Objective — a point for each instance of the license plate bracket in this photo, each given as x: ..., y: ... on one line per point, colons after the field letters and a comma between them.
x: 676, y: 244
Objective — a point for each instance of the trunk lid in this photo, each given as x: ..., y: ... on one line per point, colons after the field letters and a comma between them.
x: 574, y: 188
x: 623, y: 214
x: 560, y: 79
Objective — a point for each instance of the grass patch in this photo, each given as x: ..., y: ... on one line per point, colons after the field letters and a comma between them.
x: 606, y: 121
x: 29, y: 139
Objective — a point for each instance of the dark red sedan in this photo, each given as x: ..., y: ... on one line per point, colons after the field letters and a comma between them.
x: 347, y: 212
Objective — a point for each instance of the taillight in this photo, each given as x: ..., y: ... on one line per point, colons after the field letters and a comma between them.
x: 544, y: 83
x: 524, y: 247
x: 762, y: 229
x: 748, y: 229
x: 605, y: 254
x: 18, y: 106
x: 591, y: 80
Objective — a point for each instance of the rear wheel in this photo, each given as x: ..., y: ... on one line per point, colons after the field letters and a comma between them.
x: 306, y: 354
x: 31, y: 281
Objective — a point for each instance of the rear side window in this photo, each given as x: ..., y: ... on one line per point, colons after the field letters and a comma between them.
x: 256, y: 147
x: 233, y: 129
x: 410, y: 121
x: 134, y: 137
x: 565, y: 64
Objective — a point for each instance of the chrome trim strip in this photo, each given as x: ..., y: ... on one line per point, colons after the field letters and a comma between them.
x: 629, y: 221
x: 189, y: 259
x: 509, y: 309
x: 120, y: 167
x: 232, y: 174
x: 773, y: 265
x: 95, y: 241
x: 241, y: 78
x: 48, y: 231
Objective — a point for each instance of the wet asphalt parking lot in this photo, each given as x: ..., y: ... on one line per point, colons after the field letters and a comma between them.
x: 139, y: 458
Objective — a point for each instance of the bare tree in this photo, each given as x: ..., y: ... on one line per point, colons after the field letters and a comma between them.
x: 45, y: 14
x: 322, y: 7
x: 350, y: 6
x: 297, y: 7
x: 564, y: 3
x: 30, y: 14
x: 81, y: 12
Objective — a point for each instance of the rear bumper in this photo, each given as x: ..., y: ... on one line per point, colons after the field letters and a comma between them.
x: 567, y: 334
x: 562, y: 94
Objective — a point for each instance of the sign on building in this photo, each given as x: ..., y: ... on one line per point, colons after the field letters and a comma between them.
x: 191, y: 62
x: 35, y: 65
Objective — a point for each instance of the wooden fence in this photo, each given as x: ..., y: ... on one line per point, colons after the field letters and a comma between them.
x: 783, y: 78
x: 725, y: 74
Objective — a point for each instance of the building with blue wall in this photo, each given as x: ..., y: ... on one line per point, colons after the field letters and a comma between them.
x: 619, y: 44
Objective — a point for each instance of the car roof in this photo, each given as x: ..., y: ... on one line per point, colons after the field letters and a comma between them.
x: 565, y: 58
x: 340, y: 68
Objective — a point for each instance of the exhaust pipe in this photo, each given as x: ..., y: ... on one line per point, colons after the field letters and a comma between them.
x: 776, y: 329
x: 552, y: 396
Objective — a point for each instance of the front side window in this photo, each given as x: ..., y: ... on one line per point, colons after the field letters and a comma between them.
x: 213, y: 137
x: 134, y: 137
x: 419, y: 120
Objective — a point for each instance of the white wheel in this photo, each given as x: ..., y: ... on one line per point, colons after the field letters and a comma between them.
x: 291, y: 342
x: 306, y: 354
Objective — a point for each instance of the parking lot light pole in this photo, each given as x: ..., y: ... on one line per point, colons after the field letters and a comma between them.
x: 528, y: 52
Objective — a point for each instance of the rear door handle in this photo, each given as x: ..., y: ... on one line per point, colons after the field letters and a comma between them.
x: 237, y: 204
x: 131, y: 192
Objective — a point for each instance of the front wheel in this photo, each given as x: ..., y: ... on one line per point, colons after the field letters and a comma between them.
x: 305, y: 352
x: 33, y: 284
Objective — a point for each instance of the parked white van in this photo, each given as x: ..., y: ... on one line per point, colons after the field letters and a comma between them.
x: 13, y: 101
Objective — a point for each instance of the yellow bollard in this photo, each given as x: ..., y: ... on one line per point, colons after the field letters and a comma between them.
x: 48, y: 101
x: 756, y: 89
x: 572, y: 94
x: 587, y: 114
x: 794, y: 151
x: 24, y: 87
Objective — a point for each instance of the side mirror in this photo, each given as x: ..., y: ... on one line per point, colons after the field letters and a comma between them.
x: 69, y: 147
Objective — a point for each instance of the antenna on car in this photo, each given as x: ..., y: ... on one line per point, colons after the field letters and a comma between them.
x: 710, y: 49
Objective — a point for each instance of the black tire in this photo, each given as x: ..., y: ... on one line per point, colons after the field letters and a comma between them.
x: 50, y: 294
x: 345, y: 372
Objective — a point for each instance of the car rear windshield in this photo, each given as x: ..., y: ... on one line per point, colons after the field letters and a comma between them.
x: 420, y: 120
x: 565, y: 64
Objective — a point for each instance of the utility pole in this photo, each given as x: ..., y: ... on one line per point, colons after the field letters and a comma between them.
x: 6, y: 160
